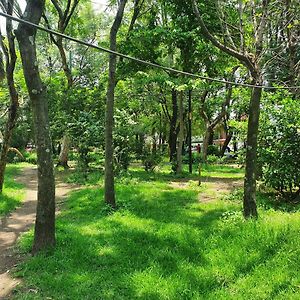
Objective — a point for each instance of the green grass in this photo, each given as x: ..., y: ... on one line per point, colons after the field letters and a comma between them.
x: 162, y: 174
x: 163, y: 244
x: 12, y: 192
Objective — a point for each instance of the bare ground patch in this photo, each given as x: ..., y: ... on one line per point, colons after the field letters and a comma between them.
x: 217, y: 187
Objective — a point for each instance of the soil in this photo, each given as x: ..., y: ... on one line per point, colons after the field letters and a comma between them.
x: 18, y: 222
x: 219, y: 186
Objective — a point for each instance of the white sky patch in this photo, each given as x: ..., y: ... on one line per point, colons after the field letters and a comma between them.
x: 98, y: 5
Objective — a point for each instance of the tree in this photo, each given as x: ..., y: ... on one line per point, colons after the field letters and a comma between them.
x: 10, y: 63
x: 44, y: 233
x: 180, y: 135
x: 109, y: 118
x: 251, y: 58
x: 279, y: 143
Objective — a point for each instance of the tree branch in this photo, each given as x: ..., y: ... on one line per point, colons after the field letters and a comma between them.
x: 243, y: 58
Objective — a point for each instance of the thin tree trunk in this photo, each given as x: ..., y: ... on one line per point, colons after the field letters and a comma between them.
x: 250, y: 209
x: 190, y: 133
x: 173, y: 127
x: 44, y: 233
x: 206, y: 142
x: 109, y: 186
x: 10, y: 57
x: 65, y: 12
x: 226, y: 143
x: 66, y: 69
x: 180, y: 135
x: 64, y: 152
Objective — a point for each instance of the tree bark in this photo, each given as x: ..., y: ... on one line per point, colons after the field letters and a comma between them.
x: 109, y: 185
x: 226, y: 143
x: 190, y: 132
x: 173, y: 127
x: 44, y: 233
x: 180, y: 135
x: 10, y: 57
x: 64, y: 152
x: 208, y: 133
x: 250, y: 209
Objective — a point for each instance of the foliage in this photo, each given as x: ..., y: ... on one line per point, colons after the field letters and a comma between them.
x: 30, y: 157
x: 151, y: 160
x: 12, y: 192
x: 212, y: 159
x: 124, y: 139
x: 279, y: 149
x: 213, y: 150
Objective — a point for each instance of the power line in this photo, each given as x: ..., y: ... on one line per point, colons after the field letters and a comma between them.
x: 140, y: 61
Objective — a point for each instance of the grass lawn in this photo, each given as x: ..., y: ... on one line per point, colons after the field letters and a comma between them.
x: 163, y: 243
x: 12, y: 191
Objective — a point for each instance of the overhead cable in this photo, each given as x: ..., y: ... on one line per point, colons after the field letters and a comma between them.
x: 140, y: 61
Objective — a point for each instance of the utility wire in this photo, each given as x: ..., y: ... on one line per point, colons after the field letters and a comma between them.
x: 140, y: 61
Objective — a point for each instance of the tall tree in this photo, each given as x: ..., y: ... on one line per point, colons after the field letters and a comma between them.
x: 109, y: 118
x: 10, y: 63
x: 180, y: 135
x: 44, y: 233
x: 251, y: 58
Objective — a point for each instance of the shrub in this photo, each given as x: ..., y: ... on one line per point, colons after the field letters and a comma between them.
x: 213, y: 150
x: 151, y: 160
x: 279, y: 146
x: 212, y: 159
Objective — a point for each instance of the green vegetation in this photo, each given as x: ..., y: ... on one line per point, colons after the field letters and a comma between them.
x: 12, y: 194
x: 164, y: 243
x: 198, y: 81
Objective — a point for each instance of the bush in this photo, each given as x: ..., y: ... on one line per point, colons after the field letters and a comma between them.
x: 151, y: 160
x: 213, y: 150
x: 196, y: 158
x: 31, y: 157
x: 212, y: 159
x: 279, y: 146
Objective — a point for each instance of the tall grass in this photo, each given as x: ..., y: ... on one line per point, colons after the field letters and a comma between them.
x: 12, y: 192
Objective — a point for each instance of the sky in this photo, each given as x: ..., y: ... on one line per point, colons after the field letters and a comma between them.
x: 99, y: 5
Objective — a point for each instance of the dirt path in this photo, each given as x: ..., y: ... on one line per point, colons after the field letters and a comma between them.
x: 18, y: 222
x: 218, y: 187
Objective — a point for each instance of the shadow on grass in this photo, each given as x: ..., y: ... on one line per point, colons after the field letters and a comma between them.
x: 277, y: 202
x: 95, y: 176
x: 160, y: 244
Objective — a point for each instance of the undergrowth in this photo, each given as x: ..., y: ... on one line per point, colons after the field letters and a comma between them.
x: 12, y: 191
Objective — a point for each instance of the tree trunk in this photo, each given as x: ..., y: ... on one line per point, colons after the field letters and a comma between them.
x: 226, y: 143
x: 44, y: 233
x: 11, y: 57
x: 64, y: 152
x: 173, y: 127
x: 206, y: 141
x: 190, y: 133
x: 109, y: 185
x: 66, y: 69
x: 180, y: 135
x: 250, y: 209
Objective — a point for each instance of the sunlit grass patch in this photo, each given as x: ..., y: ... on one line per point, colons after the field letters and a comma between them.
x: 162, y: 243
x: 12, y: 192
